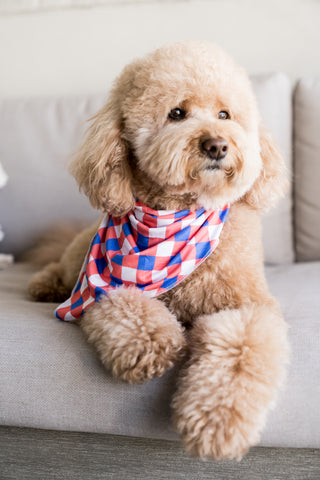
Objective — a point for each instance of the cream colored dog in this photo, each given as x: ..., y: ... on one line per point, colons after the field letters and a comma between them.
x: 181, y: 130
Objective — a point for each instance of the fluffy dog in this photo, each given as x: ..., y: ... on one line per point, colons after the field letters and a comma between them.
x: 181, y: 130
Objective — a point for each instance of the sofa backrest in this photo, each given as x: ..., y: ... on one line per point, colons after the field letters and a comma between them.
x: 37, y: 137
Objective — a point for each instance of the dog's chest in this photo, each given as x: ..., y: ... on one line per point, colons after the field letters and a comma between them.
x: 235, y: 267
x: 202, y: 292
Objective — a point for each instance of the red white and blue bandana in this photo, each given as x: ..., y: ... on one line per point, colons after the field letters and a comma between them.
x: 153, y: 250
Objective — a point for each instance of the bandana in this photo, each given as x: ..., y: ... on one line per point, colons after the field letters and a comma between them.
x: 153, y: 250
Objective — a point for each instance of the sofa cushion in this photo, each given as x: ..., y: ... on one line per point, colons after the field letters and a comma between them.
x: 37, y: 137
x: 274, y: 97
x: 52, y: 379
x: 307, y: 169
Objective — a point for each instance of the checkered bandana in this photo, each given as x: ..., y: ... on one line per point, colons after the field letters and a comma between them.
x: 153, y: 250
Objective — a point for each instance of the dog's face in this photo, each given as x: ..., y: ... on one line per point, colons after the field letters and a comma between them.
x: 194, y: 125
x: 184, y: 120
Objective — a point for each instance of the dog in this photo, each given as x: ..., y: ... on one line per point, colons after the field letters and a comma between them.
x: 181, y: 132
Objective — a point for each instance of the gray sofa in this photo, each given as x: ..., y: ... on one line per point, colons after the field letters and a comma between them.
x: 62, y: 414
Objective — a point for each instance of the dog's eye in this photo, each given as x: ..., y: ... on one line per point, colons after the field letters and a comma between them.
x: 177, y: 114
x: 223, y: 115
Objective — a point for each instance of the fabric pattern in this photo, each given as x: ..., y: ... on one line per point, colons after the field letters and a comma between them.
x: 153, y: 250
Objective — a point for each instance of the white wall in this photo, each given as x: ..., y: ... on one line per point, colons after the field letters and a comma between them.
x: 81, y: 50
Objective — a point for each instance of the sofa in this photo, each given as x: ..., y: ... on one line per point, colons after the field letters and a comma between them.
x: 62, y: 413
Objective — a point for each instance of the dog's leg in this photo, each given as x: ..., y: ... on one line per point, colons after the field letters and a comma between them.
x: 56, y: 280
x: 48, y: 286
x: 136, y: 337
x: 231, y: 379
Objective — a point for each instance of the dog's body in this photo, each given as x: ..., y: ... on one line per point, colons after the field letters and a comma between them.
x: 181, y: 130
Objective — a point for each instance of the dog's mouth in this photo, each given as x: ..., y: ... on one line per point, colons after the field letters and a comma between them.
x: 213, y: 167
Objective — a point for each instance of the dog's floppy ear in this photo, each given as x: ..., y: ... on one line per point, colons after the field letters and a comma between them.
x: 272, y: 182
x: 101, y: 165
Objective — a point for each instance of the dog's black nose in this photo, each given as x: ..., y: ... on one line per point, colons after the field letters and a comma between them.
x: 215, y: 148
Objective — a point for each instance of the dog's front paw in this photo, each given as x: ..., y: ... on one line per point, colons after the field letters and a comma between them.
x: 210, y: 423
x: 230, y: 382
x: 136, y: 337
x: 213, y: 430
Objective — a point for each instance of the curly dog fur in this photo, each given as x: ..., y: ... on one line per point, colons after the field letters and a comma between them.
x: 235, y: 345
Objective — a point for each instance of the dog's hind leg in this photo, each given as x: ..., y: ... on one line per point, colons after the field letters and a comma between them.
x: 48, y: 286
x: 55, y: 282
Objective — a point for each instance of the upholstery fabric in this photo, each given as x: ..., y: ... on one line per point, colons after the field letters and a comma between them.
x: 51, y: 378
x: 38, y: 136
x: 307, y: 171
x: 274, y: 97
x: 37, y: 139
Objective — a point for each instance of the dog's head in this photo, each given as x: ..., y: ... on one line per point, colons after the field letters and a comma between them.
x: 180, y: 128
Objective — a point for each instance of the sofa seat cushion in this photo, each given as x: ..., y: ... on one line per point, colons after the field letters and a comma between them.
x: 52, y: 379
